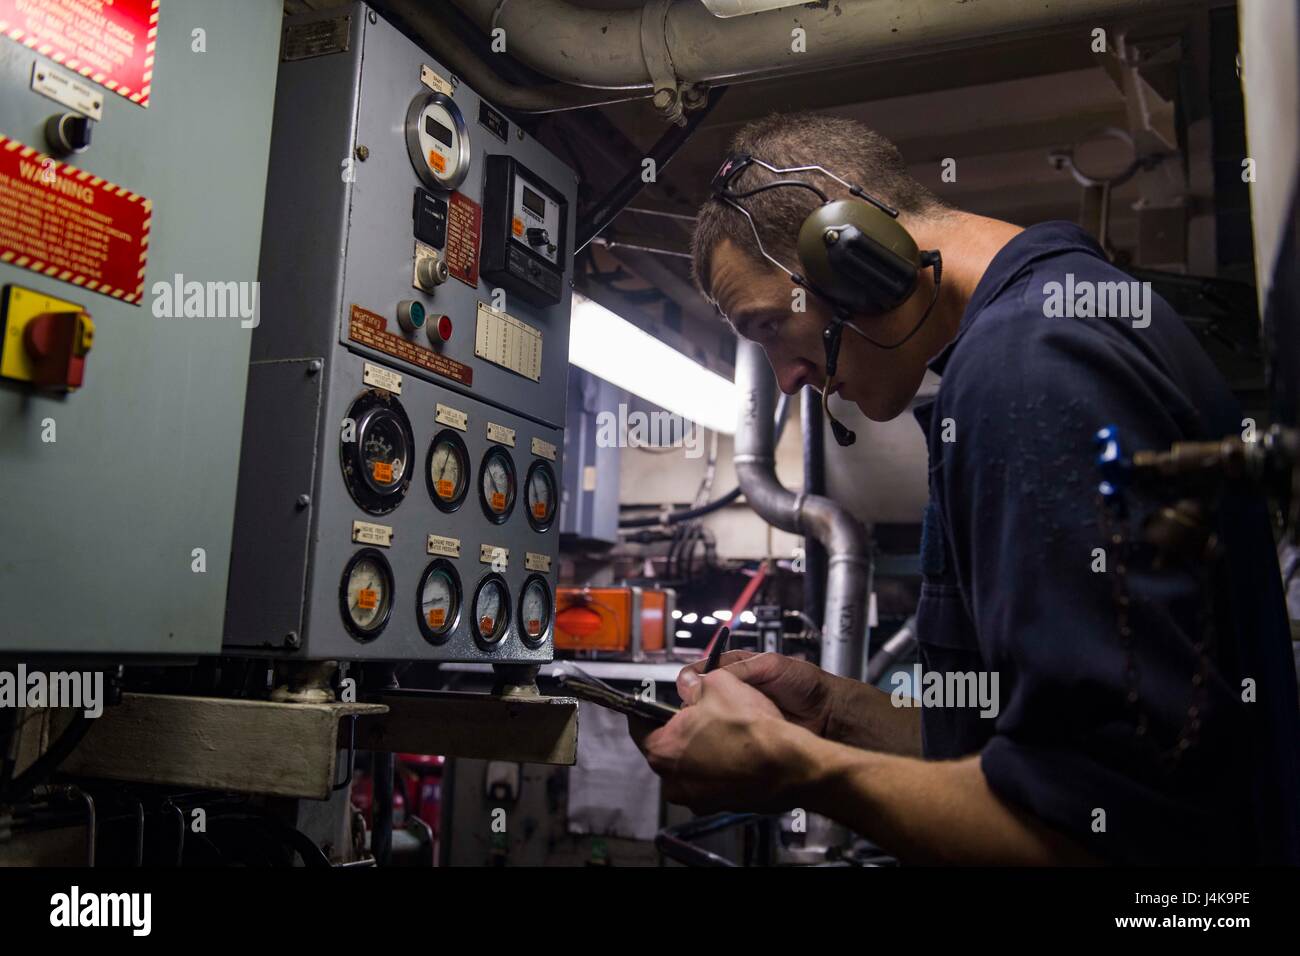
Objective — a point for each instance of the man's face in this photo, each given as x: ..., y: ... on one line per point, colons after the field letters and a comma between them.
x: 757, y: 298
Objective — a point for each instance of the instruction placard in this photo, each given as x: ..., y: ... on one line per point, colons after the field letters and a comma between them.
x: 65, y: 223
x: 111, y: 43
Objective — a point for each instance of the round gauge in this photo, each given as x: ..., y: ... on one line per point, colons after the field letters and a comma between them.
x: 491, y: 611
x: 535, y: 610
x: 366, y: 594
x: 447, y: 470
x: 540, y: 495
x: 437, y: 140
x: 438, y: 601
x: 497, y: 484
x: 375, y: 449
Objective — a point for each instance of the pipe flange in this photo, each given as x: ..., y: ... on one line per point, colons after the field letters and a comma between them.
x: 659, y: 61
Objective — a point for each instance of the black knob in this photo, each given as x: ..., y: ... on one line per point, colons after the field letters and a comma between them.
x: 69, y: 133
x: 537, y: 236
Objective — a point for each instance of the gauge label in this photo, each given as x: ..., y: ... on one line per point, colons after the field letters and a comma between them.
x: 543, y: 449
x: 501, y: 434
x: 382, y: 472
x: 435, y: 82
x: 451, y: 417
x: 486, y: 626
x: 437, y: 617
x: 366, y: 532
x: 367, y: 599
x: 384, y: 378
x: 444, y: 546
x: 537, y: 562
x: 492, y: 554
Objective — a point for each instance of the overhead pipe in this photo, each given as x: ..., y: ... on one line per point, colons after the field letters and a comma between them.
x: 427, y: 22
x: 630, y: 49
x: 844, y: 538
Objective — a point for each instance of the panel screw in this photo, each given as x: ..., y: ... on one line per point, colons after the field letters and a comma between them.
x: 292, y: 640
x: 363, y: 153
x: 304, y: 501
x: 314, y: 366
x: 664, y: 98
x: 374, y: 18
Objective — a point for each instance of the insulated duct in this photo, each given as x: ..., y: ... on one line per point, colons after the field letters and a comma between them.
x: 845, y: 540
x: 665, y: 44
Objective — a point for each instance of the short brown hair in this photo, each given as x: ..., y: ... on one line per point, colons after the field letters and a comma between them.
x: 844, y: 146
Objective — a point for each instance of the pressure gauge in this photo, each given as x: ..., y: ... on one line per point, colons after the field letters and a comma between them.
x: 366, y: 594
x: 447, y: 470
x: 497, y: 484
x: 437, y: 140
x: 540, y: 495
x: 535, y: 610
x: 491, y: 611
x: 375, y: 446
x: 438, y: 601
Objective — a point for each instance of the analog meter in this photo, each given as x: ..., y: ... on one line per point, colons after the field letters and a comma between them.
x: 535, y: 610
x: 491, y: 611
x: 437, y: 140
x: 375, y: 447
x: 497, y: 484
x: 366, y: 594
x: 438, y: 601
x: 540, y: 496
x: 447, y: 470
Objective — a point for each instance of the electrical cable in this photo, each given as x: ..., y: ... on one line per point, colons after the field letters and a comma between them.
x: 689, y: 514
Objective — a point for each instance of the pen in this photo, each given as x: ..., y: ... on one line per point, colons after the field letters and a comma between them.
x: 715, y: 652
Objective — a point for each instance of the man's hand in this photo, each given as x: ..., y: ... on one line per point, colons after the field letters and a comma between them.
x: 836, y: 708
x: 729, y: 748
x: 801, y: 690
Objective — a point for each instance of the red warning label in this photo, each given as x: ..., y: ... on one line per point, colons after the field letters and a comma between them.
x: 68, y: 224
x: 110, y: 42
x: 464, y: 226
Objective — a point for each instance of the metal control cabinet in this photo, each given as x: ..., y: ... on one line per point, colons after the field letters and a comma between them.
x: 373, y: 309
x: 117, y: 500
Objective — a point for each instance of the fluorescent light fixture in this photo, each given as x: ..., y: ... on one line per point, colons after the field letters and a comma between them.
x: 684, y: 634
x: 610, y: 347
x: 690, y: 618
x: 677, y: 615
x: 747, y: 617
x: 722, y: 615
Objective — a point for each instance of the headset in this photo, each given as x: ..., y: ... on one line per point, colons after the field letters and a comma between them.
x: 854, y: 255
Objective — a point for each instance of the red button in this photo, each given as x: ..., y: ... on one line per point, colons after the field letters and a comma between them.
x: 444, y: 328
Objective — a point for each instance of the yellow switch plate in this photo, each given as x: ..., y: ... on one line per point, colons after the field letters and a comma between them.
x: 21, y: 306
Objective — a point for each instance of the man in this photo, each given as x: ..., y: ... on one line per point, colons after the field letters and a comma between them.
x: 1147, y: 712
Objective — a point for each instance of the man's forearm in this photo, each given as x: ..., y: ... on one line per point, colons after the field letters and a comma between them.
x: 864, y: 716
x: 923, y: 811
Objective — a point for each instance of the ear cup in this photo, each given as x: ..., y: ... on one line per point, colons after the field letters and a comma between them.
x: 859, y: 256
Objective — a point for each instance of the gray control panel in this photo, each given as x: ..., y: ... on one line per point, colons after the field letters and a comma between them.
x: 398, y: 489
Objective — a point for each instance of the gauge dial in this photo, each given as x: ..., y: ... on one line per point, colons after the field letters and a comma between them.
x: 437, y: 140
x: 375, y: 446
x: 497, y: 484
x: 540, y: 496
x: 448, y: 471
x: 535, y: 610
x: 366, y: 594
x: 384, y: 451
x: 438, y: 601
x: 491, y: 610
